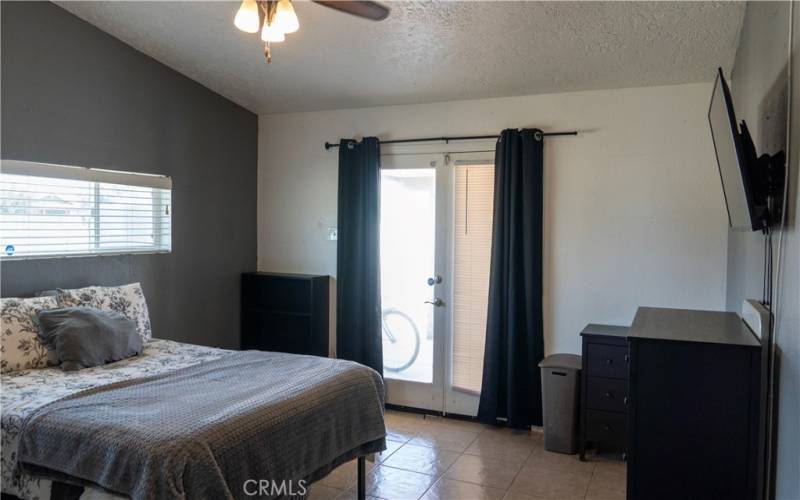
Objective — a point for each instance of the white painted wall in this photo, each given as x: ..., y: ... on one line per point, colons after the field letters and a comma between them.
x: 634, y: 213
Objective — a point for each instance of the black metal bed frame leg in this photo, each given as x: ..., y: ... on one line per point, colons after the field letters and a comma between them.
x: 362, y: 483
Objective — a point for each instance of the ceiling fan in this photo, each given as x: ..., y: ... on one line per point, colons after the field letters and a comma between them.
x: 276, y: 18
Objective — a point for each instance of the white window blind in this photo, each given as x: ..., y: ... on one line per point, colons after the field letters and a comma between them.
x: 474, y: 199
x: 54, y: 210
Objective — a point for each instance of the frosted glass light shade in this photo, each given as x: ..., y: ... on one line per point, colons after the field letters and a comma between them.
x: 247, y: 17
x: 271, y: 33
x: 285, y: 18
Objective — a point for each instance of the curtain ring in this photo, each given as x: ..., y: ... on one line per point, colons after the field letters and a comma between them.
x: 538, y: 135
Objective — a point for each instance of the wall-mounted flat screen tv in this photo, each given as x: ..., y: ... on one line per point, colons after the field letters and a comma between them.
x: 731, y: 147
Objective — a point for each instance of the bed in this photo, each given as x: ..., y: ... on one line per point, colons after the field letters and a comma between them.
x: 41, y: 395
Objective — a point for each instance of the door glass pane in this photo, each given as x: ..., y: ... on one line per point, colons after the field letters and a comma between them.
x: 408, y: 220
x: 472, y: 247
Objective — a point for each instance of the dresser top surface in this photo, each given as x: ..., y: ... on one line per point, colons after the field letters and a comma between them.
x: 686, y: 325
x: 285, y: 275
x: 606, y: 330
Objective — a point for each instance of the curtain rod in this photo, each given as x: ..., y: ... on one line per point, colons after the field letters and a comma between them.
x: 329, y: 145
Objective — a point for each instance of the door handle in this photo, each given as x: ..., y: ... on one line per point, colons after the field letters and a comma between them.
x: 437, y: 302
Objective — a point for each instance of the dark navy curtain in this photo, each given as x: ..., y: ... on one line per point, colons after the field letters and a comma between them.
x: 358, y: 300
x: 514, y: 338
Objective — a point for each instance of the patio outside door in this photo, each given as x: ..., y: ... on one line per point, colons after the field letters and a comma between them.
x: 435, y: 249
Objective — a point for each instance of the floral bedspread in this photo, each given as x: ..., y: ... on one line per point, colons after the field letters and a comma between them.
x: 23, y: 392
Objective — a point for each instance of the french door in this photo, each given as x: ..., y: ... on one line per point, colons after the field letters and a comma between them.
x: 435, y: 243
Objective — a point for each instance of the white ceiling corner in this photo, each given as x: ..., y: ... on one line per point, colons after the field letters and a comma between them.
x: 430, y: 51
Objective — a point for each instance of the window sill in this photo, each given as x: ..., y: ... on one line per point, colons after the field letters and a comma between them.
x: 14, y: 258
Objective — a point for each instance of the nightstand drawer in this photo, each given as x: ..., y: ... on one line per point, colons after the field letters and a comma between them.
x: 608, y: 394
x: 606, y: 428
x: 607, y: 361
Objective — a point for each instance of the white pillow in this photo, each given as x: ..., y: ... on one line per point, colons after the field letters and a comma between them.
x: 19, y: 329
x: 127, y: 300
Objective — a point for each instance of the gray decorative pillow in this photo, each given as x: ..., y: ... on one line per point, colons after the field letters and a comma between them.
x: 127, y: 300
x: 83, y: 336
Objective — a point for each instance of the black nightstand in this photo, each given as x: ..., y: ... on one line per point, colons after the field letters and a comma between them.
x: 604, y: 388
x: 285, y: 313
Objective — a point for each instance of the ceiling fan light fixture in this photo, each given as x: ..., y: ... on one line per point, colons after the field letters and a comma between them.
x: 271, y: 33
x: 285, y: 17
x: 276, y: 18
x: 247, y: 17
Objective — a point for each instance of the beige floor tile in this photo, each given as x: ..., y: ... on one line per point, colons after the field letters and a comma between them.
x: 600, y: 494
x: 422, y: 449
x: 352, y: 494
x: 398, y: 435
x: 391, y: 447
x: 485, y: 471
x: 443, y: 438
x: 550, y: 484
x: 607, y: 482
x: 422, y: 459
x: 397, y: 484
x: 507, y: 434
x: 401, y: 417
x: 516, y: 495
x: 502, y: 446
x: 319, y: 491
x: 451, y: 423
x: 402, y: 426
x: 541, y: 459
x: 449, y: 489
x: 609, y: 468
x: 344, y: 476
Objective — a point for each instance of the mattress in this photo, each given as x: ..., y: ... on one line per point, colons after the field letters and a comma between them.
x: 25, y: 391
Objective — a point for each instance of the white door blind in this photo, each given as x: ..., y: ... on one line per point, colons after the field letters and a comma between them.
x: 54, y: 210
x: 474, y: 198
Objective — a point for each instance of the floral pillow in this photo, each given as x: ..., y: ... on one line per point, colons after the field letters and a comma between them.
x: 127, y: 300
x: 19, y: 329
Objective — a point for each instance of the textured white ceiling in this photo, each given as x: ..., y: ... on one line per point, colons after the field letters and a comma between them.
x: 426, y: 52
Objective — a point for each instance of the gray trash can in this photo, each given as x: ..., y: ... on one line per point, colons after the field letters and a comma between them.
x: 560, y: 389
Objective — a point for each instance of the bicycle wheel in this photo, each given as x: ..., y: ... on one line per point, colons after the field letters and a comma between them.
x: 400, y: 340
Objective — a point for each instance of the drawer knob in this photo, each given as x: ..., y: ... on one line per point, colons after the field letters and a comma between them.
x: 609, y: 361
x: 607, y: 427
x: 625, y: 400
x: 609, y: 395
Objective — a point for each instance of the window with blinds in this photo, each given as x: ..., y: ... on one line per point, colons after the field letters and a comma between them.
x: 474, y: 198
x: 54, y: 210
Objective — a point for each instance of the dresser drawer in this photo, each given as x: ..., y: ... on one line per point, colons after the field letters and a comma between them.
x: 607, y: 428
x: 608, y: 394
x: 607, y: 361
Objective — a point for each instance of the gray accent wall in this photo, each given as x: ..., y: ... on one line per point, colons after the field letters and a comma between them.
x: 72, y: 94
x: 760, y: 82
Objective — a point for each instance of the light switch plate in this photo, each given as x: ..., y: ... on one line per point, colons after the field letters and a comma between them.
x: 333, y: 234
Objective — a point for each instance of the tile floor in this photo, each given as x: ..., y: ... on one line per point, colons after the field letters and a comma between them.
x: 432, y: 458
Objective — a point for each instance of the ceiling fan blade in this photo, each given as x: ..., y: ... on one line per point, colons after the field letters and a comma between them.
x: 360, y: 8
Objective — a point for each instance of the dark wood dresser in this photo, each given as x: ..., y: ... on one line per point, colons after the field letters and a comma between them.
x: 285, y: 312
x: 694, y: 406
x: 604, y: 389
